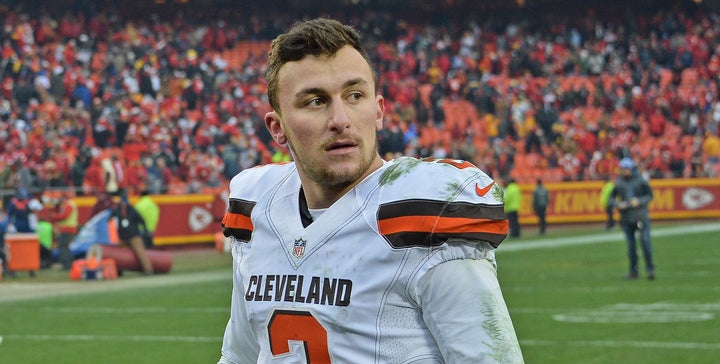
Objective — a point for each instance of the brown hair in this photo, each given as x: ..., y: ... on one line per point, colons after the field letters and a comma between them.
x: 311, y: 37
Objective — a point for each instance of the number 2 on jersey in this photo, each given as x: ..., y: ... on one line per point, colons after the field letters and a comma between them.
x: 286, y: 326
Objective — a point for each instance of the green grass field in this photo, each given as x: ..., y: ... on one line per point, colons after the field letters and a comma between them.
x: 564, y: 291
x: 570, y: 304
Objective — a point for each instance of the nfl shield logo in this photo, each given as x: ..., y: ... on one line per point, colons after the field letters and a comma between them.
x: 299, y: 248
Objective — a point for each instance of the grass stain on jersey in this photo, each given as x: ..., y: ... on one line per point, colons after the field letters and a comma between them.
x: 498, y: 193
x: 453, y: 189
x: 498, y: 328
x: 392, y: 173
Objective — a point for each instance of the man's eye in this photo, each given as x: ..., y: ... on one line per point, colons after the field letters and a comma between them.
x: 314, y: 102
x: 355, y: 96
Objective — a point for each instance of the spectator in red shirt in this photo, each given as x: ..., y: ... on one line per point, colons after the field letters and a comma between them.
x: 133, y: 148
x: 135, y: 176
x: 94, y: 181
x: 657, y: 123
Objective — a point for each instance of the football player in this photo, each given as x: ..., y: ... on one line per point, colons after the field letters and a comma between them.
x: 343, y: 257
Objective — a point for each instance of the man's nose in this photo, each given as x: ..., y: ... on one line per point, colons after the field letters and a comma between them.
x: 338, y: 118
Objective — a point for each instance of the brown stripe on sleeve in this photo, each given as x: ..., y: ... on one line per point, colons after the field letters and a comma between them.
x: 431, y: 223
x: 237, y: 222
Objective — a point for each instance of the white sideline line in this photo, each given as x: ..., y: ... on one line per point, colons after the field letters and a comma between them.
x: 133, y: 338
x: 606, y: 237
x: 15, y: 291
x: 621, y: 344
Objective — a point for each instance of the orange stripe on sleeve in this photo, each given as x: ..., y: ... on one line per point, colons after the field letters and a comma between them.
x: 434, y: 224
x: 237, y: 221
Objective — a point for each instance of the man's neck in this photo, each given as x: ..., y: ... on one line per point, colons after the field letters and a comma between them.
x: 322, y: 196
x: 319, y: 197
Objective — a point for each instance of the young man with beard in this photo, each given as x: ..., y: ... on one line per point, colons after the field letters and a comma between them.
x: 342, y: 257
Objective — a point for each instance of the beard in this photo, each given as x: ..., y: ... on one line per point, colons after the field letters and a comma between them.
x: 324, y: 174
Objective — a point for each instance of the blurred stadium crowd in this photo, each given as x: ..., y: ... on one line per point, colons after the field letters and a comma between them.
x: 97, y: 101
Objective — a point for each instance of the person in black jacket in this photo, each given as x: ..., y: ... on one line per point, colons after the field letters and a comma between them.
x: 131, y: 227
x: 631, y: 197
x: 540, y: 201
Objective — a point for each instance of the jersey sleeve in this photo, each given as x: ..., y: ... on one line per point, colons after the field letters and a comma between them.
x: 246, y: 188
x: 464, y: 309
x: 239, y: 342
x: 428, y: 202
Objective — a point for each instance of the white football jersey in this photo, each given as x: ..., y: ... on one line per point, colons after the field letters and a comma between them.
x: 354, y: 286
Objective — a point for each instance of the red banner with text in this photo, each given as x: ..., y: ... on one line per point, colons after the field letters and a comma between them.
x: 579, y: 202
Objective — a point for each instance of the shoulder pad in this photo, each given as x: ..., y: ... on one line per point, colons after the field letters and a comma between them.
x: 438, y: 179
x: 427, y: 202
x: 254, y: 182
x: 246, y: 189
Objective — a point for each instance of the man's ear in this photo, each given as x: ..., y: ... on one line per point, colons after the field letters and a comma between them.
x: 273, y: 125
x: 380, y: 112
